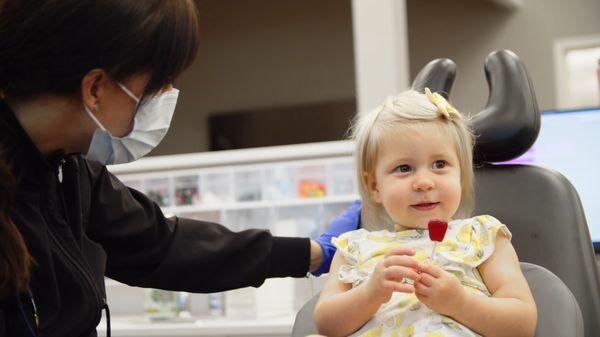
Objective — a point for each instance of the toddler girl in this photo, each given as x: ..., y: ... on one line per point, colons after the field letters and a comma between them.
x: 414, y: 163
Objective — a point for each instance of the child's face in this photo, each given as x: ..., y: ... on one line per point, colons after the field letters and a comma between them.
x: 417, y: 176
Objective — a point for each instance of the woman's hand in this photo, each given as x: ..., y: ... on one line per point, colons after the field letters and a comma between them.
x: 345, y: 222
x: 389, y: 274
x: 316, y: 256
x: 439, y: 290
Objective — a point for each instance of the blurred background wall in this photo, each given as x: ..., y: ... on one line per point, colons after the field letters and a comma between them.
x: 272, y: 58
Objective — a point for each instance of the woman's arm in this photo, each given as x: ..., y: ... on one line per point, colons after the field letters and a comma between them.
x: 341, y: 309
x: 511, y: 310
x: 144, y: 248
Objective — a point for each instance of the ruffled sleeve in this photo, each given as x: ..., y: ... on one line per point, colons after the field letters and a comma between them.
x: 347, y: 245
x: 480, y: 236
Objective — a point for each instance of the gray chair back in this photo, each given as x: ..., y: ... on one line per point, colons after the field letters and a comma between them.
x: 542, y: 210
x: 558, y: 311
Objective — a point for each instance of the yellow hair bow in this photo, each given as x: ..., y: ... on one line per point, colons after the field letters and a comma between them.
x: 442, y: 105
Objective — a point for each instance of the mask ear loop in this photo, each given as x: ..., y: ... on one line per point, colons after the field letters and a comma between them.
x: 132, y: 96
x: 129, y: 93
x: 95, y: 108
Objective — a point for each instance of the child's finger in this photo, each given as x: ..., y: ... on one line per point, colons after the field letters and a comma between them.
x: 399, y: 260
x: 421, y: 288
x: 426, y: 279
x: 422, y: 296
x: 398, y: 273
x: 430, y: 269
x: 400, y: 250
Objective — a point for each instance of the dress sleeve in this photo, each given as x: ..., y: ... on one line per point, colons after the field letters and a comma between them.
x: 145, y: 248
x: 484, y: 232
x: 347, y: 245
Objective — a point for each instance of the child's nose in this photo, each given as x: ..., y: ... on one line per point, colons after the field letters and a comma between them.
x: 423, y: 182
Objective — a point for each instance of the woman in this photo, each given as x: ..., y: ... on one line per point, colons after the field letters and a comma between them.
x: 85, y: 83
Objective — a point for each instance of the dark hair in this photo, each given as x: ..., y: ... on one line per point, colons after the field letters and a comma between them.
x: 15, y: 261
x: 48, y: 46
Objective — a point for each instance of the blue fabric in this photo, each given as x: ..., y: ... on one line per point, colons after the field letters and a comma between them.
x: 345, y: 222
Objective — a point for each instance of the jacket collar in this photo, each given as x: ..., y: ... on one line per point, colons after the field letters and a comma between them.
x: 20, y: 151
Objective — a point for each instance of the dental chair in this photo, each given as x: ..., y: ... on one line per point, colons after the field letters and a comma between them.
x: 540, y: 207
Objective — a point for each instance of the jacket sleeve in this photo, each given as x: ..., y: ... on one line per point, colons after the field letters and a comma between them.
x: 144, y: 248
x: 2, y: 325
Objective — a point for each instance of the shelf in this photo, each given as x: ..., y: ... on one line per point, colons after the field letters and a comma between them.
x: 220, y: 326
x: 236, y: 157
x: 259, y: 204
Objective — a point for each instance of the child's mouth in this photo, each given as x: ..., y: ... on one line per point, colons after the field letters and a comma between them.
x: 425, y: 206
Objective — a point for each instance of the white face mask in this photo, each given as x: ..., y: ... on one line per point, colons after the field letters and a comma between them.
x: 151, y: 124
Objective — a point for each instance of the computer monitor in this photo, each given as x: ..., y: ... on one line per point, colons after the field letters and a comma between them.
x: 569, y: 143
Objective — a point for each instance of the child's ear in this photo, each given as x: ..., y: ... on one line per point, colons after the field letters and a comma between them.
x: 371, y: 185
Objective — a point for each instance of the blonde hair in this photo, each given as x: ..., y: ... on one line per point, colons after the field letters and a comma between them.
x: 408, y: 110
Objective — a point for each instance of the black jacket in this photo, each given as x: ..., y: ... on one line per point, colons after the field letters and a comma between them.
x: 91, y: 225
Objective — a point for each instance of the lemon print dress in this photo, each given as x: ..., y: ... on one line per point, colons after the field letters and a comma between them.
x: 467, y: 244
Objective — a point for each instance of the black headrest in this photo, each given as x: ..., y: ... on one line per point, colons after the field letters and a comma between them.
x: 510, y: 122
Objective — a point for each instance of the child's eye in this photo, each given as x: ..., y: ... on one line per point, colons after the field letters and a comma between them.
x: 403, y: 169
x: 439, y: 164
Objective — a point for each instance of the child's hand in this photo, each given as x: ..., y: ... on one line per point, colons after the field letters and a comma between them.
x: 439, y: 290
x: 390, y: 272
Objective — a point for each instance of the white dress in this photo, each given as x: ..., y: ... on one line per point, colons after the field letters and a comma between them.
x: 466, y: 245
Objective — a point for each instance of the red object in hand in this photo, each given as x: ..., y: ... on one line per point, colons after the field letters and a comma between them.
x: 437, y: 230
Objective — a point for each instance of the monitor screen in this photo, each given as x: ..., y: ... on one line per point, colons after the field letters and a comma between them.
x: 569, y: 142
